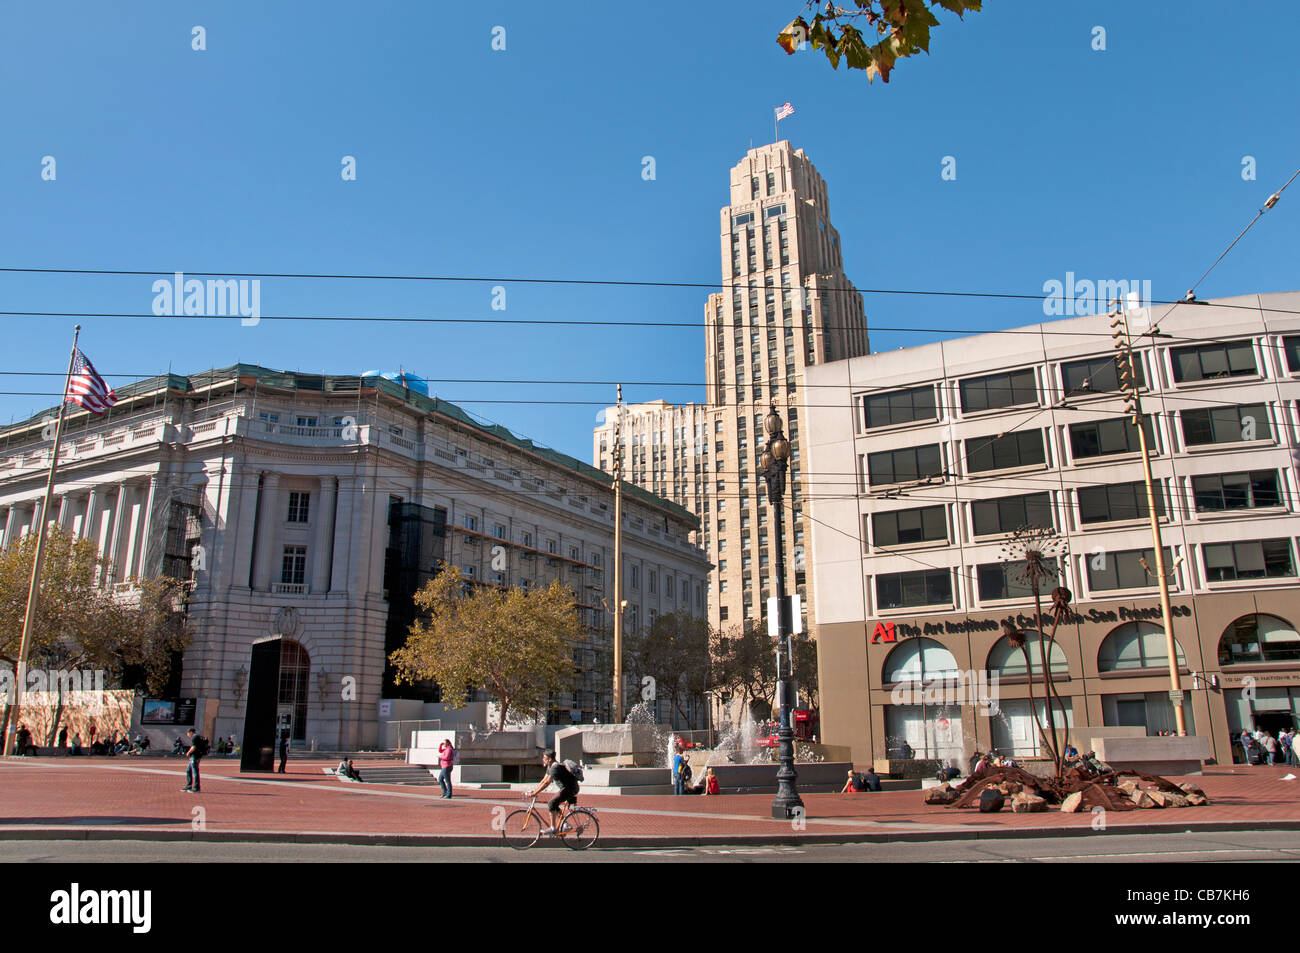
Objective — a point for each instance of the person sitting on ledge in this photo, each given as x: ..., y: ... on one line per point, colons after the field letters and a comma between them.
x: 346, y: 771
x: 711, y: 782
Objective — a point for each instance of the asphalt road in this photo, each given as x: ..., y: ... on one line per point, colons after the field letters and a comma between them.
x: 1233, y: 847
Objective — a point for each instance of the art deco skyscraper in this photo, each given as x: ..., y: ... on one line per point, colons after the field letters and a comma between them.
x: 785, y: 304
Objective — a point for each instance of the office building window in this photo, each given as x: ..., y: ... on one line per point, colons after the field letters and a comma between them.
x: 653, y: 581
x: 1252, y: 559
x: 1225, y: 424
x: 1098, y: 375
x: 1291, y: 347
x: 921, y: 525
x: 899, y: 407
x: 298, y: 507
x: 1124, y: 570
x: 1018, y: 449
x: 903, y: 466
x: 1009, y: 513
x: 1236, y: 491
x: 636, y: 578
x: 1211, y: 361
x: 1120, y: 501
x: 471, y: 523
x: 293, y: 567
x: 306, y: 421
x: 499, y: 531
x: 1007, y: 580
x: 930, y: 587
x: 999, y: 390
x: 1099, y: 438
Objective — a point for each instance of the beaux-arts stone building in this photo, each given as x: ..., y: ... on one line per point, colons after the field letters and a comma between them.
x: 309, y: 508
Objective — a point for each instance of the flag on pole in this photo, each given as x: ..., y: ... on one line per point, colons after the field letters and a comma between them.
x: 87, y: 388
x: 783, y: 111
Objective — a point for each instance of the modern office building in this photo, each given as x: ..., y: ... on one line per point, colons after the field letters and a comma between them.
x: 786, y: 306
x: 308, y: 509
x: 931, y: 458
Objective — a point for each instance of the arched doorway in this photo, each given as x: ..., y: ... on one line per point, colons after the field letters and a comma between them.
x: 1014, y: 724
x: 1141, y: 649
x: 923, y: 719
x: 1260, y: 639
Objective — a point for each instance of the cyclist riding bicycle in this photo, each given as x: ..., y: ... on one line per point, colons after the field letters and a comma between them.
x: 564, y: 779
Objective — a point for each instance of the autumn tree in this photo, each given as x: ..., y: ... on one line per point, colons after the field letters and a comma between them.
x: 82, y: 625
x: 674, y: 652
x: 900, y: 28
x: 515, y: 644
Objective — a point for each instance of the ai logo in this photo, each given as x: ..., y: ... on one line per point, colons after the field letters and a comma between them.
x: 884, y: 633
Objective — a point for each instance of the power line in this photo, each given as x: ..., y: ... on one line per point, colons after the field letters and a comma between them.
x: 722, y: 286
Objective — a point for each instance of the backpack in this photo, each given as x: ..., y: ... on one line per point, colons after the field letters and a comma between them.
x: 574, y: 769
x: 201, y: 746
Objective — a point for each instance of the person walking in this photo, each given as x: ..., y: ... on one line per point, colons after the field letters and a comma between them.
x: 446, y: 760
x: 284, y: 748
x: 1247, y: 743
x: 24, y: 739
x: 197, y: 749
x: 677, y: 772
x: 63, y: 737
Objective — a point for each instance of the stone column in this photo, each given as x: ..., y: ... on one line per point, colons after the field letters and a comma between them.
x: 11, y: 515
x: 268, y: 515
x: 323, y: 537
x: 65, y: 510
x: 88, y: 527
x: 343, y: 528
x: 149, y: 541
x: 117, y: 533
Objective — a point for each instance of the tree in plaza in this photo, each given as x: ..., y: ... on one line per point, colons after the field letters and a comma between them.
x: 744, y: 664
x: 805, y: 668
x: 674, y: 652
x: 901, y: 28
x: 516, y: 644
x: 80, y: 624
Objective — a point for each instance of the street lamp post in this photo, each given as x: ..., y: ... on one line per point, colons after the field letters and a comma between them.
x: 775, y: 460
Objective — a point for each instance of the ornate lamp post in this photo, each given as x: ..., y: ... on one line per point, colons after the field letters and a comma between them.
x: 774, y: 461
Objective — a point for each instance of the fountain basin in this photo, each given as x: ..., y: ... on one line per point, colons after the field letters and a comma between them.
x: 813, y: 777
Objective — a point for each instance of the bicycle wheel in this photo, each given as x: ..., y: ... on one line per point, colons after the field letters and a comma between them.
x: 583, y: 829
x: 521, y: 828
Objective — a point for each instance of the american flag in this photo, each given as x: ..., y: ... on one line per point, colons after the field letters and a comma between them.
x: 785, y: 110
x: 87, y: 388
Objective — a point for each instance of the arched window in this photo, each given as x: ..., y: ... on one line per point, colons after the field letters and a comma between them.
x: 919, y: 660
x: 1259, y: 638
x: 1135, y: 646
x: 1007, y: 661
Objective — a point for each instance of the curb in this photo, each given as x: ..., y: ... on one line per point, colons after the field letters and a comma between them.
x: 619, y: 843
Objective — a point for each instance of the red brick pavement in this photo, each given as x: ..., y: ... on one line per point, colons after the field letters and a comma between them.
x: 144, y: 794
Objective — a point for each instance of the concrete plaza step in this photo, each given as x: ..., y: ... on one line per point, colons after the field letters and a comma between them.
x: 397, y: 774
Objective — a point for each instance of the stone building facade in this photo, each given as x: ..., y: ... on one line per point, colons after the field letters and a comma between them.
x: 311, y: 507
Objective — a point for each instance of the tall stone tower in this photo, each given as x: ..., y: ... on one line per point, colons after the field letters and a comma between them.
x: 785, y: 304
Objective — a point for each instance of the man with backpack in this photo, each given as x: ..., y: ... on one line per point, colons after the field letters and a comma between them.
x: 565, y: 775
x: 198, y: 748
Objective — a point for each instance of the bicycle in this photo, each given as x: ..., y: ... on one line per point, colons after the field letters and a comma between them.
x: 523, y: 827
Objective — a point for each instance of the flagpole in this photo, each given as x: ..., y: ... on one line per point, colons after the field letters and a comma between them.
x: 29, y: 619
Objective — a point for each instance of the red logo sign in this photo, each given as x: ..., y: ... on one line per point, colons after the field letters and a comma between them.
x: 884, y: 633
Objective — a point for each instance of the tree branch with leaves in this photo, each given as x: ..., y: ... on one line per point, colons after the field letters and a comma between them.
x: 901, y: 28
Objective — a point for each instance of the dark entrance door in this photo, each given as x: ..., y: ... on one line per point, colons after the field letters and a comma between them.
x: 263, y: 699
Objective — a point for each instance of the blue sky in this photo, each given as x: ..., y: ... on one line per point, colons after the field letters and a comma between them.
x: 526, y: 163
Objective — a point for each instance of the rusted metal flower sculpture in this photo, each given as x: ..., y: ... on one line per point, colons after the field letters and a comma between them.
x: 1035, y: 549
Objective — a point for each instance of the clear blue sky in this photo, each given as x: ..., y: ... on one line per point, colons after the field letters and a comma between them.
x: 527, y: 164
